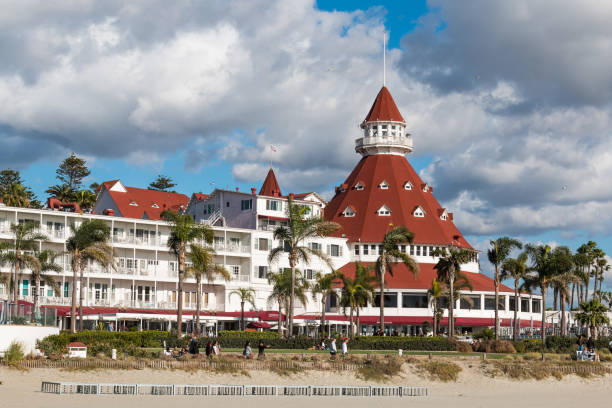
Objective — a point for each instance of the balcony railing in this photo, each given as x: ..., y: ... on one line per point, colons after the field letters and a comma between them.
x: 242, y: 249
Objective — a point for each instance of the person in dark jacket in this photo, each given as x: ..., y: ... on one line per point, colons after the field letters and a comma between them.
x: 209, y: 349
x: 193, y: 346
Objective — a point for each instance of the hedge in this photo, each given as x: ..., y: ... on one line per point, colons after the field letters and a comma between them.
x: 556, y: 344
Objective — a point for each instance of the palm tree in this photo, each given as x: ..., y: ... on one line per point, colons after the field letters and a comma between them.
x: 46, y: 263
x: 449, y: 271
x: 299, y: 229
x: 593, y: 315
x: 16, y: 195
x: 281, y: 288
x: 85, y: 199
x: 544, y: 265
x: 356, y: 292
x: 434, y: 294
x: 500, y: 250
x: 202, y: 265
x: 184, y: 232
x: 515, y: 268
x: 87, y: 243
x: 324, y: 285
x: 563, y: 277
x: 24, y: 243
x: 389, y: 256
x: 245, y: 295
x: 62, y: 192
x: 580, y: 264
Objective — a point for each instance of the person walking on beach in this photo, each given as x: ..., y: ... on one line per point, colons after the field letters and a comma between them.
x: 345, y: 346
x: 261, y: 348
x: 332, y: 348
x: 209, y: 349
x: 193, y: 345
x: 217, y: 348
x: 247, y: 352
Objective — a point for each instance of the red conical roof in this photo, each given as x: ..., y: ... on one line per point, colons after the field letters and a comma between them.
x: 384, y: 108
x: 270, y: 186
x: 367, y: 226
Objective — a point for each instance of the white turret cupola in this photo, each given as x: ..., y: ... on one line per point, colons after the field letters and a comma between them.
x: 384, y: 129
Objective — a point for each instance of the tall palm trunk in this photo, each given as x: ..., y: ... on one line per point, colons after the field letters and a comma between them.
x: 179, y: 297
x: 35, y: 302
x: 496, y: 284
x: 351, y: 321
x: 16, y: 277
x: 516, y: 306
x: 358, y: 328
x: 242, y: 315
x: 382, y: 295
x: 323, y: 304
x: 292, y: 263
x: 435, y: 317
x: 543, y: 307
x: 198, y: 303
x: 81, y: 298
x: 555, y: 295
x: 572, y: 296
x: 280, y: 318
x: 451, y: 306
x: 562, y: 296
x: 74, y: 292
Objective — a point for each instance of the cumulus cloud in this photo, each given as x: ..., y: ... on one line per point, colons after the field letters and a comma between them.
x: 510, y: 98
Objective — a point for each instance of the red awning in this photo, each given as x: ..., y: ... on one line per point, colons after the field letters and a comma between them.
x: 258, y: 325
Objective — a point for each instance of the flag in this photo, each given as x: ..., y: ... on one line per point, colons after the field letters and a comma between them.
x: 273, y: 148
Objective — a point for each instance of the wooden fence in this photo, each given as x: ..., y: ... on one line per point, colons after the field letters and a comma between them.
x: 213, y: 365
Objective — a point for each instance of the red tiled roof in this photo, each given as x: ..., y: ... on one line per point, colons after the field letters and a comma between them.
x: 384, y: 108
x: 403, y: 278
x: 77, y: 344
x: 200, y: 196
x: 368, y: 226
x: 145, y: 200
x: 270, y: 186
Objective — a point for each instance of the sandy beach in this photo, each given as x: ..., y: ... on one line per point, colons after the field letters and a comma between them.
x: 473, y: 389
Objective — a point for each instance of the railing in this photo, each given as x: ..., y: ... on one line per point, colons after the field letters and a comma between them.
x: 265, y: 227
x: 389, y: 140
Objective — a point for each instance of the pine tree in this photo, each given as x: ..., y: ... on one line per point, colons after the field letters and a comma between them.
x: 162, y: 183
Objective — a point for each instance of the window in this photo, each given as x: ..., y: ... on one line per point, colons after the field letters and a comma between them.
x: 380, y: 250
x: 524, y: 304
x: 309, y: 273
x: 134, y: 204
x: 262, y: 244
x: 417, y: 301
x: 172, y: 265
x: 511, y: 303
x: 262, y: 272
x: 155, y: 206
x: 407, y: 185
x: 209, y: 209
x: 315, y: 246
x: 444, y: 215
x: 358, y: 186
x: 66, y: 289
x: 418, y: 250
x: 365, y: 250
x: 384, y: 185
x: 334, y: 250
x: 235, y: 270
x: 419, y: 212
x: 390, y: 299
x: 246, y: 205
x: 403, y: 249
x: 384, y: 211
x: 431, y: 251
x: 411, y: 250
x: 227, y: 204
x: 356, y: 249
x: 25, y: 286
x: 274, y: 205
x: 489, y: 302
x: 535, y: 306
x: 348, y: 212
x: 464, y: 304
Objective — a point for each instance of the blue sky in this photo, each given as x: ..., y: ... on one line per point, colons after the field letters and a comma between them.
x: 200, y: 94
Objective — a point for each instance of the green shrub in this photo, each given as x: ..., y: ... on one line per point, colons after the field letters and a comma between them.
x: 14, y: 354
x: 404, y: 343
x: 380, y: 369
x: 495, y: 346
x: 440, y: 370
x: 486, y: 333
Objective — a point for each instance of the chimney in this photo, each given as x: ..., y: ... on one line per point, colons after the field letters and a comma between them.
x: 109, y: 211
x: 291, y: 196
x: 253, y: 189
x: 237, y: 190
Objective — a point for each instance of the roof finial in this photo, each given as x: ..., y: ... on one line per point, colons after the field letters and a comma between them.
x: 384, y: 57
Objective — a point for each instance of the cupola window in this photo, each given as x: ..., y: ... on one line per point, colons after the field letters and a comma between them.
x: 384, y: 185
x: 384, y: 211
x: 419, y: 212
x: 407, y: 185
x: 348, y: 212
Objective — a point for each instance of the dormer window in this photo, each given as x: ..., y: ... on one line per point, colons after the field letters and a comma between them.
x: 384, y: 211
x: 419, y: 212
x: 155, y: 206
x: 134, y: 204
x: 407, y: 185
x: 384, y: 185
x: 358, y: 186
x: 425, y: 187
x: 443, y: 214
x: 348, y: 212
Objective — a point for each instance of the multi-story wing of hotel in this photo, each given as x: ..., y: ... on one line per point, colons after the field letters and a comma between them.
x: 382, y: 190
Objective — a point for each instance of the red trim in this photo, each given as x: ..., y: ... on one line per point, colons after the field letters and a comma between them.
x: 273, y: 218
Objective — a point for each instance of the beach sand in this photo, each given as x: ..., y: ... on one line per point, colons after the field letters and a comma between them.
x: 473, y: 389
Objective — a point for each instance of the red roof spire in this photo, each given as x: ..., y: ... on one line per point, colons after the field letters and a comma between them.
x: 384, y: 108
x: 270, y: 186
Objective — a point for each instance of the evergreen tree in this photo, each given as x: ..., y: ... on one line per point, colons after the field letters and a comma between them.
x: 14, y: 193
x: 72, y: 171
x: 162, y: 183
